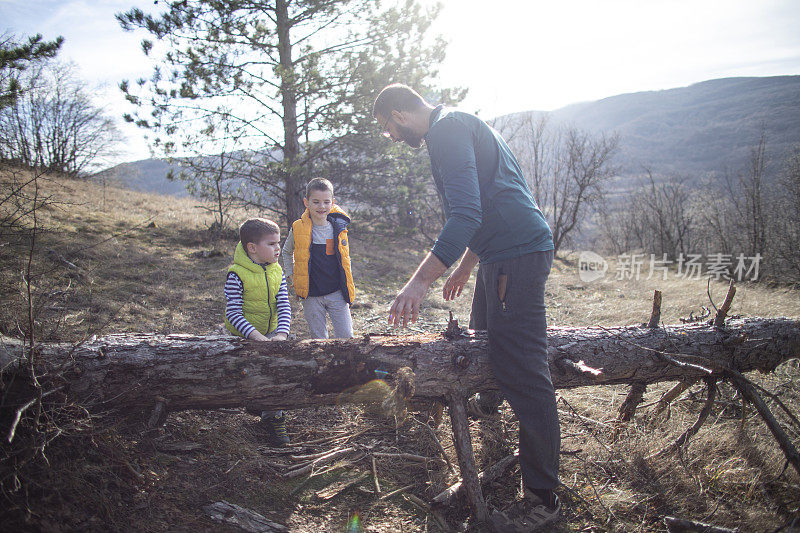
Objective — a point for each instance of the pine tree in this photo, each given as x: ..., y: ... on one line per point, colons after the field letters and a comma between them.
x: 15, y: 58
x: 293, y: 79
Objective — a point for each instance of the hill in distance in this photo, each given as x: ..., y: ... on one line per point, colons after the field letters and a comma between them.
x: 707, y: 127
x: 146, y: 175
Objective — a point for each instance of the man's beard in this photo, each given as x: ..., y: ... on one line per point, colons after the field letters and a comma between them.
x: 412, y: 139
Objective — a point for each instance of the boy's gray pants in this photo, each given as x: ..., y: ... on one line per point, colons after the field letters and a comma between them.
x: 517, y: 330
x: 315, y: 308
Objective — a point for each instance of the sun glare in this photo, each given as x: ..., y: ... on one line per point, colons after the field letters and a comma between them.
x: 544, y: 55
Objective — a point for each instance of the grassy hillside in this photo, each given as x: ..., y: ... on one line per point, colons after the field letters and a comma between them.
x: 137, y: 268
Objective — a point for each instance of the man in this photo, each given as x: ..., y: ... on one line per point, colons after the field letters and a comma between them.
x: 492, y: 219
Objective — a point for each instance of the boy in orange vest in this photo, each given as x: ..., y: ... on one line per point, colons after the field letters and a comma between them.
x: 320, y: 268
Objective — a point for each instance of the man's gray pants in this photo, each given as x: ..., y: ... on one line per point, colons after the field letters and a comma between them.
x: 316, y: 309
x: 517, y: 328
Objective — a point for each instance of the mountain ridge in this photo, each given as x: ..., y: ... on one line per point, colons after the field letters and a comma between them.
x: 706, y: 127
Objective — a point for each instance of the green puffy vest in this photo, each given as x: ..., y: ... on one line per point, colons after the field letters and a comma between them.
x: 261, y: 286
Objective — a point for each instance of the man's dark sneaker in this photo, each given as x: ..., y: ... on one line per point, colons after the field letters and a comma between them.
x: 484, y: 405
x: 530, y: 513
x: 275, y: 425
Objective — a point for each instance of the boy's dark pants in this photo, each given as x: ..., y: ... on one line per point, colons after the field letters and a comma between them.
x: 517, y: 329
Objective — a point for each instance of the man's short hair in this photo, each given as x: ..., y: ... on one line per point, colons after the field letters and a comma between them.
x: 318, y: 184
x: 397, y: 97
x: 255, y: 229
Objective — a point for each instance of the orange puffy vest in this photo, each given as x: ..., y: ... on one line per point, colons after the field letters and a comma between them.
x: 301, y: 230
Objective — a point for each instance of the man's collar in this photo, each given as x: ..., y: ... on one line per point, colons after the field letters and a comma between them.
x: 435, y: 114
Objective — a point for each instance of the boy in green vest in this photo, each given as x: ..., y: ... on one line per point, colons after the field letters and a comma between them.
x: 257, y: 300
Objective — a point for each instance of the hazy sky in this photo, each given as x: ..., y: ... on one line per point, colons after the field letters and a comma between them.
x: 513, y: 55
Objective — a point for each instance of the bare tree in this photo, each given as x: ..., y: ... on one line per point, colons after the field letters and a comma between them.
x: 218, y: 179
x: 785, y: 232
x: 54, y: 125
x: 537, y: 150
x: 752, y: 206
x: 566, y: 169
x: 578, y: 181
x: 747, y: 214
x: 664, y: 208
x: 618, y: 226
x: 738, y: 217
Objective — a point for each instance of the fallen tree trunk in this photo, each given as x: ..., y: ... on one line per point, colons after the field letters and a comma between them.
x: 207, y: 372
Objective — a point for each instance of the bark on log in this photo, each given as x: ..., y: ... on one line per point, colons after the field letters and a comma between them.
x: 196, y: 372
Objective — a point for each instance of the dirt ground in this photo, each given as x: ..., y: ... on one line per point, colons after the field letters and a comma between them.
x: 138, y: 268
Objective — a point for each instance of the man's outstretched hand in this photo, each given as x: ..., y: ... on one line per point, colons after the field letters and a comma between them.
x: 406, y: 304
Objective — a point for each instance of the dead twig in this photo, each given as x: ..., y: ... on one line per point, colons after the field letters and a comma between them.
x: 228, y: 471
x: 628, y: 407
x: 574, y: 493
x: 711, y: 386
x: 407, y: 457
x: 609, y: 513
x: 680, y: 525
x: 432, y: 433
x: 337, y: 488
x: 655, y: 315
x: 749, y: 392
x: 493, y: 472
x: 571, y: 413
x: 375, y: 481
x: 774, y: 397
x: 247, y: 520
x: 425, y: 508
x: 18, y: 417
x: 395, y: 492
x: 466, y: 456
x: 348, y: 462
x: 719, y: 319
x: 692, y: 362
x: 708, y: 292
x: 325, y: 459
x: 705, y: 312
x: 312, y: 456
x: 586, y: 420
x: 671, y: 395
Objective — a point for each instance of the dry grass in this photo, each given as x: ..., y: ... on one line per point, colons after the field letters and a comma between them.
x: 134, y: 277
x: 135, y: 271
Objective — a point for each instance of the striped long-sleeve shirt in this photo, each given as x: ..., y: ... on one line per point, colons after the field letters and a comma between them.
x: 234, y: 301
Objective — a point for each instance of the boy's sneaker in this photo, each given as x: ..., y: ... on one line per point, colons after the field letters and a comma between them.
x: 528, y: 514
x: 275, y: 425
x: 484, y: 405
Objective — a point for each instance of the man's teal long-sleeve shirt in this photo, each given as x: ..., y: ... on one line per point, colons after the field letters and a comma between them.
x: 486, y: 201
